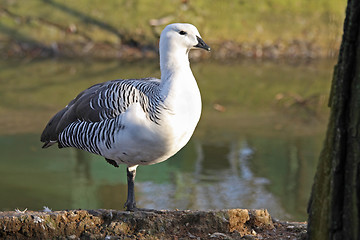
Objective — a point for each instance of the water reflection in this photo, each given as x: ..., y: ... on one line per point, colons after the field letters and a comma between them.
x: 242, y: 173
x: 258, y: 153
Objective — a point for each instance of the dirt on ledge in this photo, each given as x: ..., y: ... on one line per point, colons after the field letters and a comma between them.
x: 151, y: 224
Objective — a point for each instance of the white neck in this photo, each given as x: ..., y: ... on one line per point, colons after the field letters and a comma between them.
x: 173, y: 61
x: 178, y: 85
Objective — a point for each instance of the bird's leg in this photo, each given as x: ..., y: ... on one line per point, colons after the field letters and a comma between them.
x: 130, y: 204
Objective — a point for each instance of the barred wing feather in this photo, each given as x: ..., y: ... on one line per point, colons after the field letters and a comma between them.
x: 94, y: 112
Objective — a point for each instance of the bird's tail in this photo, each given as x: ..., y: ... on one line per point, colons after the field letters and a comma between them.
x: 50, y: 135
x: 48, y: 144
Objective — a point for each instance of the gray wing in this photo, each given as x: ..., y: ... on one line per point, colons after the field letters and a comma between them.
x: 102, y: 102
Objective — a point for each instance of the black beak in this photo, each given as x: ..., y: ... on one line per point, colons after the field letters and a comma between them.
x: 202, y: 44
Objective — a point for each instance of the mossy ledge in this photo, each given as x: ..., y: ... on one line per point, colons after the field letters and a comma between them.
x: 152, y: 224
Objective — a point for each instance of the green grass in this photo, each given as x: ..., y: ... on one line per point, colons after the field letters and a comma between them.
x: 262, y: 21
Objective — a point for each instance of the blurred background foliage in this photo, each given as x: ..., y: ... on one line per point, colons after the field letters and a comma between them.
x: 94, y: 24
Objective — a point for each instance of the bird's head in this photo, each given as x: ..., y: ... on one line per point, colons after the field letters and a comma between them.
x: 182, y: 36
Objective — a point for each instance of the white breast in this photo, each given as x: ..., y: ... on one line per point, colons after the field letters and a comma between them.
x: 144, y: 142
x: 185, y: 111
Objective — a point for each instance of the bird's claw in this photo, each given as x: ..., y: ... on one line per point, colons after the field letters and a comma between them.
x: 130, y: 206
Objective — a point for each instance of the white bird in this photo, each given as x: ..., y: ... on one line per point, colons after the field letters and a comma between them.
x: 136, y: 121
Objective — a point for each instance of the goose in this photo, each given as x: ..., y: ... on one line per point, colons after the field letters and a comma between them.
x: 136, y: 121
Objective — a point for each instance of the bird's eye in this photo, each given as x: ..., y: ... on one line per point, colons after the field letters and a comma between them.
x: 182, y: 33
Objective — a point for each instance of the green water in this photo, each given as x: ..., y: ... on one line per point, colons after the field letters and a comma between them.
x: 256, y: 145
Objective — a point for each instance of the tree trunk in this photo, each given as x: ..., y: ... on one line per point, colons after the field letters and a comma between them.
x: 334, y: 203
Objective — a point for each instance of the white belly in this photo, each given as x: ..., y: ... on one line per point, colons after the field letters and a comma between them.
x: 143, y: 142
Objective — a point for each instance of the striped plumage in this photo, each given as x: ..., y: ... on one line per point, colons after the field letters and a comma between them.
x: 98, y: 113
x: 136, y: 121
